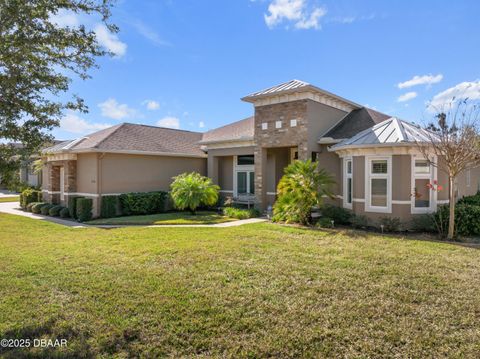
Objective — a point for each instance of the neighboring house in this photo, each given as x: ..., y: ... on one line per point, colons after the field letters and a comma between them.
x: 372, y: 156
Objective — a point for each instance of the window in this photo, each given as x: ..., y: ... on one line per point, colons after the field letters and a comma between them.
x: 264, y: 125
x: 423, y: 176
x: 378, y: 189
x: 293, y: 123
x: 347, y: 182
x: 245, y: 182
x: 245, y: 160
x: 278, y: 124
x: 314, y: 156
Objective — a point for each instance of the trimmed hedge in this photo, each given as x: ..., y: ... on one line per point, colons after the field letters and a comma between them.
x: 241, y: 213
x: 37, y: 207
x: 138, y: 203
x: 45, y: 209
x: 109, y: 206
x: 55, y: 211
x: 72, y: 206
x: 84, y: 209
x: 467, y: 221
x: 29, y: 195
x: 64, y: 213
x: 471, y: 200
x: 30, y: 205
x: 339, y: 215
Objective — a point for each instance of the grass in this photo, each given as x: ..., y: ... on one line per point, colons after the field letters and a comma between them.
x: 9, y: 199
x: 202, y: 217
x: 258, y: 290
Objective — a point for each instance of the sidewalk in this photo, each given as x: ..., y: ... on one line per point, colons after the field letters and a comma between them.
x: 14, y: 208
x: 7, y: 194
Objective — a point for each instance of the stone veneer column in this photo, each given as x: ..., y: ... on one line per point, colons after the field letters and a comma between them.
x: 260, y: 155
x: 70, y: 176
x: 53, y: 183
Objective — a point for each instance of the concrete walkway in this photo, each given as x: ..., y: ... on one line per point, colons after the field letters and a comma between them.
x: 7, y: 194
x: 14, y: 208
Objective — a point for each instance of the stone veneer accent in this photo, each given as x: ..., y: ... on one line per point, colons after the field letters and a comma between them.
x: 278, y: 137
x: 70, y: 179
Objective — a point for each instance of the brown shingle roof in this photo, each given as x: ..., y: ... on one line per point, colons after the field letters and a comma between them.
x: 237, y: 131
x: 129, y: 137
x: 355, y: 122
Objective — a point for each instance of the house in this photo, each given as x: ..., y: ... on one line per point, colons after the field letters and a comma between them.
x: 372, y: 156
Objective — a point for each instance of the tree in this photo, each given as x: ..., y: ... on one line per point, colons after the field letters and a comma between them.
x: 301, y: 188
x: 192, y: 190
x: 454, y: 141
x: 37, y: 59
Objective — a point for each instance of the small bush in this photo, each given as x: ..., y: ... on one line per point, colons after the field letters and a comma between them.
x: 64, y: 213
x: 423, y: 223
x: 37, y: 207
x: 467, y: 221
x: 72, y: 206
x: 338, y: 214
x: 55, y: 210
x: 84, y: 209
x: 109, y: 206
x: 192, y: 190
x: 241, y: 213
x: 471, y: 200
x: 325, y: 222
x: 142, y: 203
x: 360, y: 222
x: 390, y: 224
x: 45, y: 209
x: 29, y: 195
x: 30, y: 205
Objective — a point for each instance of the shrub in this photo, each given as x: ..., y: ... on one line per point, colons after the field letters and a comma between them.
x: 84, y: 209
x: 467, y: 221
x: 423, y: 223
x: 64, y: 213
x: 30, y: 205
x: 390, y: 224
x: 44, y: 210
x: 29, y: 195
x: 241, y: 213
x: 55, y: 210
x: 360, y: 222
x: 338, y: 214
x: 471, y: 200
x: 300, y: 189
x: 142, y: 203
x: 72, y: 206
x: 192, y: 190
x: 325, y: 222
x: 37, y: 207
x: 109, y: 206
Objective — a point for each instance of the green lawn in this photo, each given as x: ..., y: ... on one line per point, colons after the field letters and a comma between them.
x: 9, y: 199
x: 202, y: 217
x: 257, y: 290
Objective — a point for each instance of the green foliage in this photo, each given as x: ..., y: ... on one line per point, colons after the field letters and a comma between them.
x: 84, y: 209
x: 324, y: 222
x: 142, y: 203
x: 338, y: 214
x: 360, y: 222
x: 45, y: 209
x: 55, y: 210
x: 471, y: 200
x: 467, y: 221
x: 110, y: 206
x: 300, y: 189
x: 390, y: 224
x: 29, y: 195
x: 72, y: 206
x: 240, y: 213
x: 423, y: 223
x: 37, y: 60
x: 64, y: 213
x: 37, y: 207
x: 30, y: 205
x: 192, y: 190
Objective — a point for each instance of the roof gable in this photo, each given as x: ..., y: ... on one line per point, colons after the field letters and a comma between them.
x: 242, y: 130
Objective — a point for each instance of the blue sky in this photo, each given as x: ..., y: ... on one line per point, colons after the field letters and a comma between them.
x: 187, y: 63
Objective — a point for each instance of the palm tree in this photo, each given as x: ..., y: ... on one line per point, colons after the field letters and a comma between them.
x: 191, y: 190
x: 301, y: 188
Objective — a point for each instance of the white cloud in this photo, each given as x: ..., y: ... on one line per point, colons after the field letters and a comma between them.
x: 64, y: 18
x: 151, y: 105
x: 407, y: 96
x: 169, y: 121
x: 149, y: 34
x: 110, y: 41
x: 470, y: 90
x: 295, y: 11
x: 201, y: 124
x: 420, y: 80
x: 112, y: 109
x: 74, y: 124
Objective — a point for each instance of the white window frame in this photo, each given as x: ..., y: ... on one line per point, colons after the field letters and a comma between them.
x: 264, y: 126
x: 242, y: 168
x: 369, y: 176
x: 62, y: 183
x: 347, y: 176
x: 432, y: 176
x: 293, y: 122
x: 278, y: 124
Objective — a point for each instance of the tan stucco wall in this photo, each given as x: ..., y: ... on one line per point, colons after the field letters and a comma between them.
x: 401, y: 178
x: 463, y: 189
x: 332, y: 163
x: 225, y: 173
x: 87, y: 175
